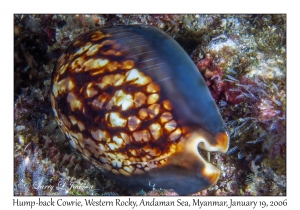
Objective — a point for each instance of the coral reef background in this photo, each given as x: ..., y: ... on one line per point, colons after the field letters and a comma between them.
x: 241, y: 57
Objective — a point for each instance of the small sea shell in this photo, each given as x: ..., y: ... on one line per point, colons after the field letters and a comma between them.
x: 133, y: 103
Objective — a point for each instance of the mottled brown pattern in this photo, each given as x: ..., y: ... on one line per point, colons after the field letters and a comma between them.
x: 111, y: 111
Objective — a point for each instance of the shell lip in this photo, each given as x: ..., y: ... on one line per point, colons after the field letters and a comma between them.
x: 211, y: 141
x: 222, y: 141
x: 187, y: 168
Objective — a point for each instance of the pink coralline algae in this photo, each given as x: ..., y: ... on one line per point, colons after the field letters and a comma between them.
x: 50, y: 35
x: 219, y: 88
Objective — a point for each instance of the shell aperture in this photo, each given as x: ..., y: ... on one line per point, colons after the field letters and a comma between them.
x: 133, y: 103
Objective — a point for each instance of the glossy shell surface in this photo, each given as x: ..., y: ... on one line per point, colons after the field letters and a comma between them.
x: 134, y: 104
